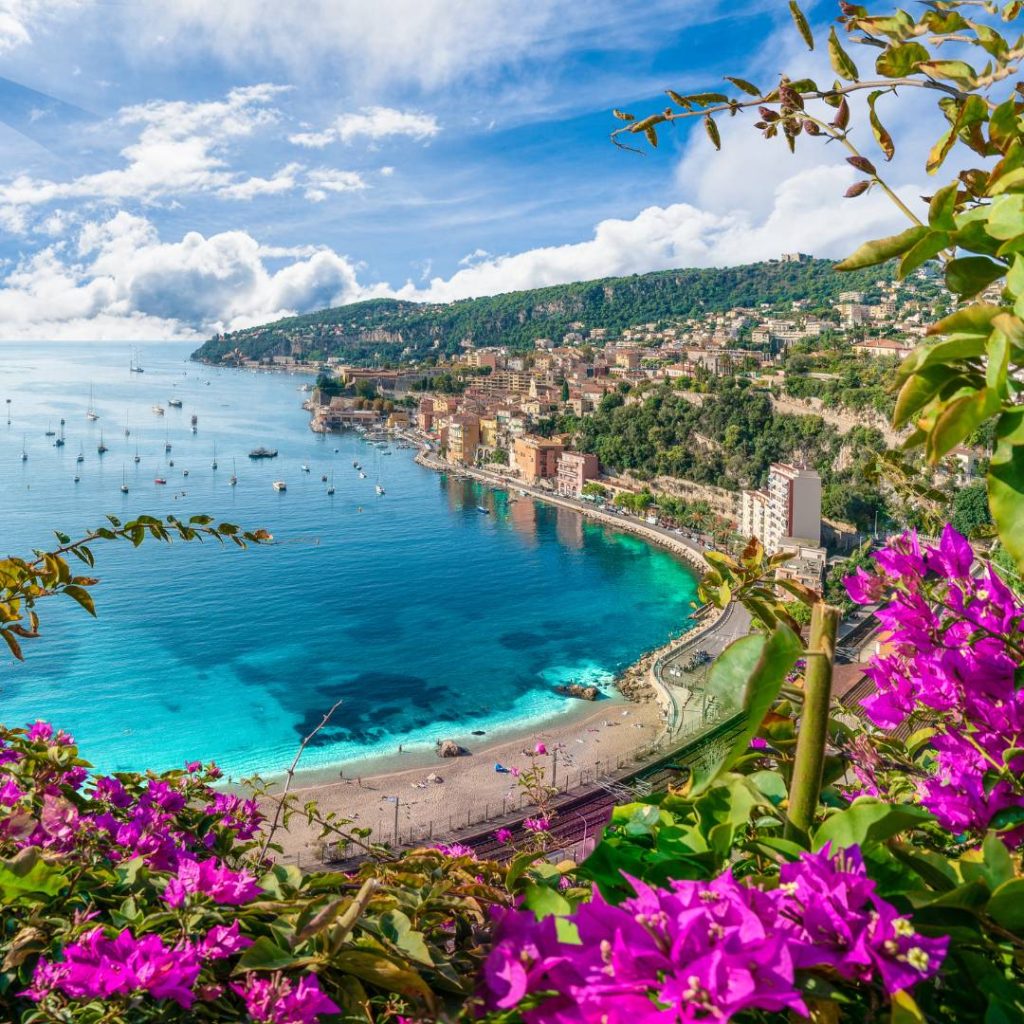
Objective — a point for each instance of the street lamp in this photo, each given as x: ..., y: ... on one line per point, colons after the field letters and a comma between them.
x: 395, y: 800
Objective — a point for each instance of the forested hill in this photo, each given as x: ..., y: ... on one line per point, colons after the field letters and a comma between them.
x: 390, y: 328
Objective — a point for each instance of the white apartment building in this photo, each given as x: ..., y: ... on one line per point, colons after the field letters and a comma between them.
x: 789, y: 507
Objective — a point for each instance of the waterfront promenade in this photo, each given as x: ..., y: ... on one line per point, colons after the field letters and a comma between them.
x: 616, y: 752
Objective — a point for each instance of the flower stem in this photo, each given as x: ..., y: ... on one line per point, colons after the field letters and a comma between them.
x: 810, y: 743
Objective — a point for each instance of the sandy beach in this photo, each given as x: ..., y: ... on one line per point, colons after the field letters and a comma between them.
x: 613, y: 731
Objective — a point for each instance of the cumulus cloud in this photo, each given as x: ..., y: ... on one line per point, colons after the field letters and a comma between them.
x: 384, y: 122
x: 180, y: 149
x: 430, y: 43
x: 123, y: 281
x: 373, y: 124
x: 323, y: 180
x: 18, y: 19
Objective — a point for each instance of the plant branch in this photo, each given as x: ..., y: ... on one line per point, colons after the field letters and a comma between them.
x: 275, y: 824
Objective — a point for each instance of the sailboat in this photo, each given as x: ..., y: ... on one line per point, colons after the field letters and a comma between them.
x: 136, y: 453
x: 330, y: 486
x: 24, y: 453
x: 124, y: 481
x: 234, y: 476
x: 59, y: 443
x: 378, y: 487
x: 127, y: 429
x: 101, y: 447
x: 91, y: 413
x: 135, y: 365
x: 213, y: 465
x: 167, y: 442
x: 49, y: 429
x: 81, y: 453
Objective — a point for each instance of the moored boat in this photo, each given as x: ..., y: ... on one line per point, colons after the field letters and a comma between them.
x: 280, y: 485
x: 263, y: 453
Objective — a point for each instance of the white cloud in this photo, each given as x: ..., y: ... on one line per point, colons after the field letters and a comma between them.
x: 373, y: 123
x: 180, y: 149
x: 323, y: 180
x: 383, y: 122
x: 124, y: 282
x: 18, y: 18
x: 283, y: 180
x: 313, y: 140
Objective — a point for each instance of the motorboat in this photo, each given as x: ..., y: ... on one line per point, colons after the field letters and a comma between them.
x: 175, y: 403
x: 263, y: 453
x: 158, y: 409
x: 280, y: 485
x: 159, y: 480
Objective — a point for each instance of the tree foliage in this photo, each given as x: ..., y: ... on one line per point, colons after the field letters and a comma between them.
x: 967, y: 372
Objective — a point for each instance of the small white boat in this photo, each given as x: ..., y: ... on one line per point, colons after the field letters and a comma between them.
x: 305, y: 468
x: 379, y: 489
x: 91, y: 413
x: 158, y: 409
x: 330, y: 486
x: 362, y: 475
x: 184, y: 472
x: 24, y: 453
x: 213, y: 465
x: 124, y: 481
x: 81, y: 454
x: 280, y: 485
x: 174, y: 402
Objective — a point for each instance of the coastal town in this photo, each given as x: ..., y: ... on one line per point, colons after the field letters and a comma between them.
x: 518, y: 415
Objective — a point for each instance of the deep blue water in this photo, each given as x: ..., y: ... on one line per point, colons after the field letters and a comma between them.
x: 427, y: 616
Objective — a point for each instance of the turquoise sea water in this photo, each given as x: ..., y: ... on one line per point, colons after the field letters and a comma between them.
x: 426, y: 616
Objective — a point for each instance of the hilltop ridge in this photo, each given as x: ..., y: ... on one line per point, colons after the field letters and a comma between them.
x: 395, y: 329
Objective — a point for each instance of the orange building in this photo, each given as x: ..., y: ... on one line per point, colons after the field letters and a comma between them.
x: 536, y: 458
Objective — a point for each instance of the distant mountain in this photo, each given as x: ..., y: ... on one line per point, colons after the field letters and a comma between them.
x: 390, y: 329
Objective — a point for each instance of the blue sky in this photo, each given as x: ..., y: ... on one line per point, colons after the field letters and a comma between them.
x: 173, y: 168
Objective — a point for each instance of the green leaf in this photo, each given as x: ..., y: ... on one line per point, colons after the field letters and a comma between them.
x: 976, y: 318
x: 881, y: 249
x: 903, y: 1009
x: 28, y: 873
x: 901, y: 59
x: 1006, y: 907
x: 801, y: 23
x: 938, y: 153
x: 265, y: 955
x: 960, y: 417
x: 545, y: 901
x: 1006, y: 217
x: 927, y: 248
x: 82, y: 596
x: 882, y: 137
x: 744, y: 86
x: 398, y: 929
x: 378, y: 970
x: 867, y: 821
x: 969, y: 275
x: 842, y: 64
x: 748, y: 674
x: 952, y: 70
x: 712, y: 131
x: 918, y: 390
x: 942, y: 207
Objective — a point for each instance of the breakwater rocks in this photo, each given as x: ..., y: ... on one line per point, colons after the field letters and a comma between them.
x: 635, y: 682
x: 578, y: 691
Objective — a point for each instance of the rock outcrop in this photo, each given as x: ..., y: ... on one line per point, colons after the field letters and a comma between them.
x: 579, y: 691
x: 449, y: 748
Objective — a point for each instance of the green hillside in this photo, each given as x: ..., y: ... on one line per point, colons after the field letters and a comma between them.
x: 392, y: 329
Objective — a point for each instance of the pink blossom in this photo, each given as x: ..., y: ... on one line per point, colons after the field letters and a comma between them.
x: 96, y: 967
x: 278, y: 999
x: 213, y: 879
x: 455, y: 849
x: 540, y: 749
x: 537, y: 824
x: 222, y: 941
x: 503, y: 835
